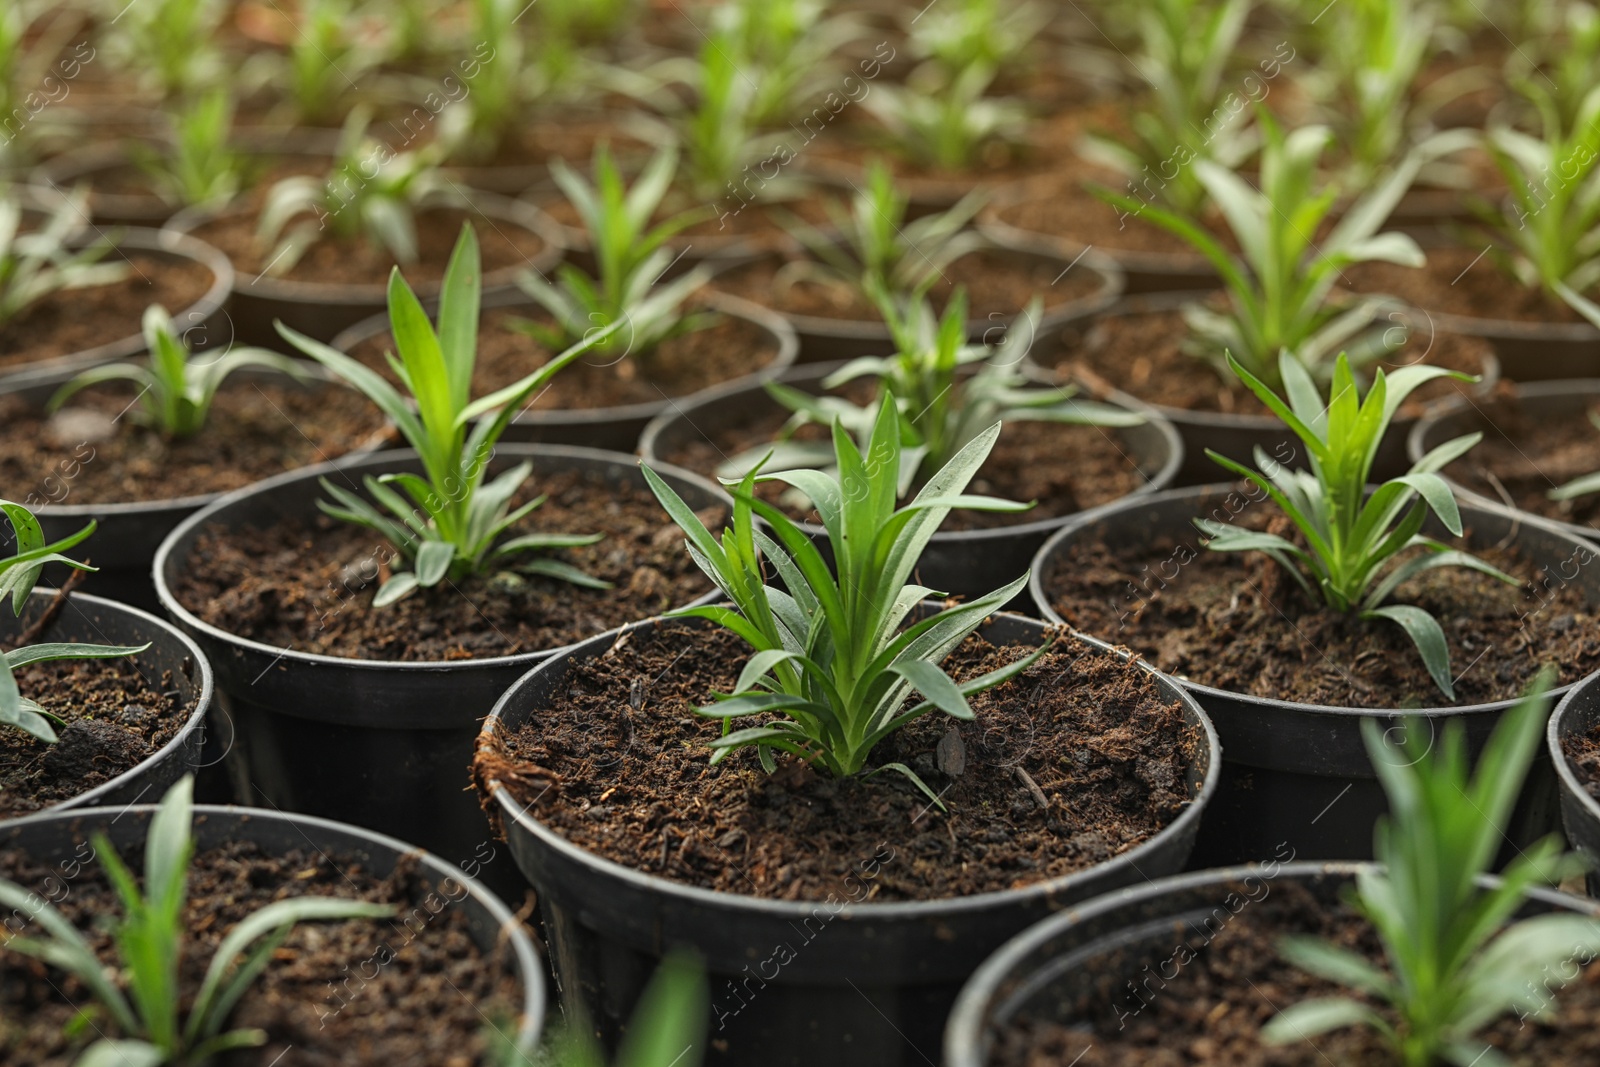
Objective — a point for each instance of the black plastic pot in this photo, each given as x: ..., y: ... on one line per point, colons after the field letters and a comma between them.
x: 616, y: 428
x: 1538, y: 401
x: 1142, y: 272
x: 1300, y: 773
x: 1097, y: 953
x: 825, y: 340
x: 321, y: 310
x: 960, y: 562
x: 384, y: 745
x: 58, y: 840
x: 873, y: 992
x: 1236, y: 436
x: 203, y: 323
x: 94, y: 161
x: 1576, y: 716
x: 90, y: 620
x: 128, y: 534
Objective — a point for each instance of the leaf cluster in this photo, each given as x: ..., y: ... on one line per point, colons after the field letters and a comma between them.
x: 1351, y: 537
x: 449, y: 522
x: 836, y: 658
x: 149, y: 936
x: 1454, y: 965
x: 35, y: 264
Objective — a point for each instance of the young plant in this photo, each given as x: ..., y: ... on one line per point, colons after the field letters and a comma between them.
x: 324, y: 63
x: 1279, y: 288
x: 175, y: 389
x: 835, y: 660
x: 372, y: 193
x: 1187, y: 46
x: 1370, y: 53
x: 452, y: 524
x: 1454, y: 961
x: 37, y: 264
x: 201, y: 167
x: 631, y: 256
x: 877, y: 248
x: 170, y: 43
x: 585, y: 22
x: 948, y: 392
x: 716, y: 135
x: 788, y: 48
x: 1554, y: 73
x: 149, y: 941
x: 952, y: 126
x: 966, y: 33
x: 18, y: 575
x: 1351, y: 538
x: 1549, y: 224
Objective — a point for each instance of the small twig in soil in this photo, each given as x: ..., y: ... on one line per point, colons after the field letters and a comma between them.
x: 1033, y: 787
x: 53, y: 610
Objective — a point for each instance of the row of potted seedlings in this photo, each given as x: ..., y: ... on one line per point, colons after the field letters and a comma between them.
x: 915, y: 780
x: 556, y: 782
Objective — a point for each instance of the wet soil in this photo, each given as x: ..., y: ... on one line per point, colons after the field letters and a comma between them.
x: 117, y: 716
x: 75, y: 320
x: 726, y: 349
x: 256, y: 429
x: 413, y: 989
x: 1227, y: 981
x: 309, y: 585
x: 617, y: 762
x: 1237, y: 622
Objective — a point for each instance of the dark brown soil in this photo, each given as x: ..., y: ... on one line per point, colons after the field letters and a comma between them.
x: 413, y: 989
x: 1461, y: 281
x: 1583, y: 751
x: 729, y: 348
x: 1058, y: 204
x: 539, y: 142
x: 730, y: 216
x: 310, y: 587
x: 1234, y: 982
x: 255, y: 430
x: 998, y: 286
x: 1143, y: 355
x: 360, y: 262
x: 1065, y: 468
x: 636, y: 786
x: 1527, y: 456
x: 116, y: 717
x: 1235, y: 621
x: 76, y: 320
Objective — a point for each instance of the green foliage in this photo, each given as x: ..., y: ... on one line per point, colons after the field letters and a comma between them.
x: 18, y: 574
x: 1453, y: 964
x: 668, y: 1027
x: 1186, y: 48
x: 325, y: 63
x: 1550, y: 221
x: 168, y: 43
x: 950, y: 125
x: 1553, y: 72
x: 1352, y: 537
x: 631, y: 256
x: 1280, y: 286
x: 202, y: 166
x: 36, y: 264
x: 960, y: 34
x: 449, y: 523
x: 877, y: 247
x: 787, y: 48
x: 176, y: 390
x: 948, y: 392
x: 834, y: 659
x: 585, y: 21
x: 372, y: 193
x: 149, y: 937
